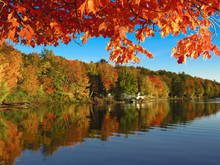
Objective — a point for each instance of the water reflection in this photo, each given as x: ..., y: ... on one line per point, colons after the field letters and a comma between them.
x: 48, y: 128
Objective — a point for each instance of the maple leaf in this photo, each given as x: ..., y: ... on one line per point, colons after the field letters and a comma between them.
x: 11, y: 34
x: 27, y: 32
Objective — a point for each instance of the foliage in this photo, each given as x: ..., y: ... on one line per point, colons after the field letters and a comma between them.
x: 109, y: 76
x: 29, y: 83
x: 46, y: 77
x: 178, y: 87
x: 147, y: 87
x: 190, y: 88
x: 158, y: 84
x: 78, y: 80
x: 93, y: 79
x: 4, y: 91
x: 127, y: 81
x: 49, y: 22
x: 10, y: 65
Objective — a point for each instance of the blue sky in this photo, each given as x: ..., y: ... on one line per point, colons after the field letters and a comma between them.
x: 94, y: 50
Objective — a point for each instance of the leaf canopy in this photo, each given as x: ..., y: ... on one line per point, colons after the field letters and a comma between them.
x: 49, y: 22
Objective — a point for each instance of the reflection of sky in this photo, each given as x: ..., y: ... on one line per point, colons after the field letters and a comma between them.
x: 218, y: 115
x: 94, y: 50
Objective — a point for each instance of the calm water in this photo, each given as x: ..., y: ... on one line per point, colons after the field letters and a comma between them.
x: 171, y: 133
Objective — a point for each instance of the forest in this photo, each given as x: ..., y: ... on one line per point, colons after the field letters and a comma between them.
x: 45, y: 77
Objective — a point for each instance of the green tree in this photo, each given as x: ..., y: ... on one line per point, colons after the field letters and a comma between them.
x: 4, y: 91
x: 127, y: 81
x: 178, y: 87
x: 93, y: 79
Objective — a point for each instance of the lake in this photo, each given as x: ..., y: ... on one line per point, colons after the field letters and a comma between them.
x: 175, y: 132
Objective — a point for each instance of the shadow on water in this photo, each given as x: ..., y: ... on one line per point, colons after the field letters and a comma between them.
x: 48, y: 128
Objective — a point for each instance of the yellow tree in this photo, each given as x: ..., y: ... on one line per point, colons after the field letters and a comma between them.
x: 30, y: 83
x: 11, y: 65
x: 147, y: 86
x: 78, y: 81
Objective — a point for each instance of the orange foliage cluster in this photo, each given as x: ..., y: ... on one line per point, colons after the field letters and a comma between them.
x: 190, y: 86
x: 77, y: 75
x: 49, y: 22
x: 48, y: 86
x: 109, y: 75
x: 157, y: 82
x: 10, y: 65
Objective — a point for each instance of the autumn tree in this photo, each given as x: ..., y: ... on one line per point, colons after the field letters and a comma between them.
x: 109, y: 76
x: 78, y: 81
x: 10, y: 65
x: 167, y: 77
x: 50, y: 22
x: 209, y: 90
x: 190, y: 87
x: 165, y: 91
x: 29, y: 83
x: 199, y: 90
x: 146, y: 86
x: 33, y: 59
x: 216, y: 88
x: 158, y: 85
x: 52, y: 73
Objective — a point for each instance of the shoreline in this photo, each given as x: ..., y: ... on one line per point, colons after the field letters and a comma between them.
x: 25, y: 105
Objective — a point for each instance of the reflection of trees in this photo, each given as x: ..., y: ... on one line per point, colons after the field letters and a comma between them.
x: 111, y: 119
x: 128, y: 121
x: 12, y: 147
x: 109, y: 126
x: 69, y: 128
x: 183, y: 112
x: 154, y: 114
x: 51, y: 127
x: 4, y: 130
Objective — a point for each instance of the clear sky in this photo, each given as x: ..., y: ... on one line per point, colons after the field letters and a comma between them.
x: 94, y: 50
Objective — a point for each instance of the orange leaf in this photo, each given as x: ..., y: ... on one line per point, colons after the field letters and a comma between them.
x: 27, y: 32
x: 11, y: 34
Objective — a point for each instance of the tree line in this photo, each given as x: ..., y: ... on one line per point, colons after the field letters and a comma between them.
x: 45, y: 77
